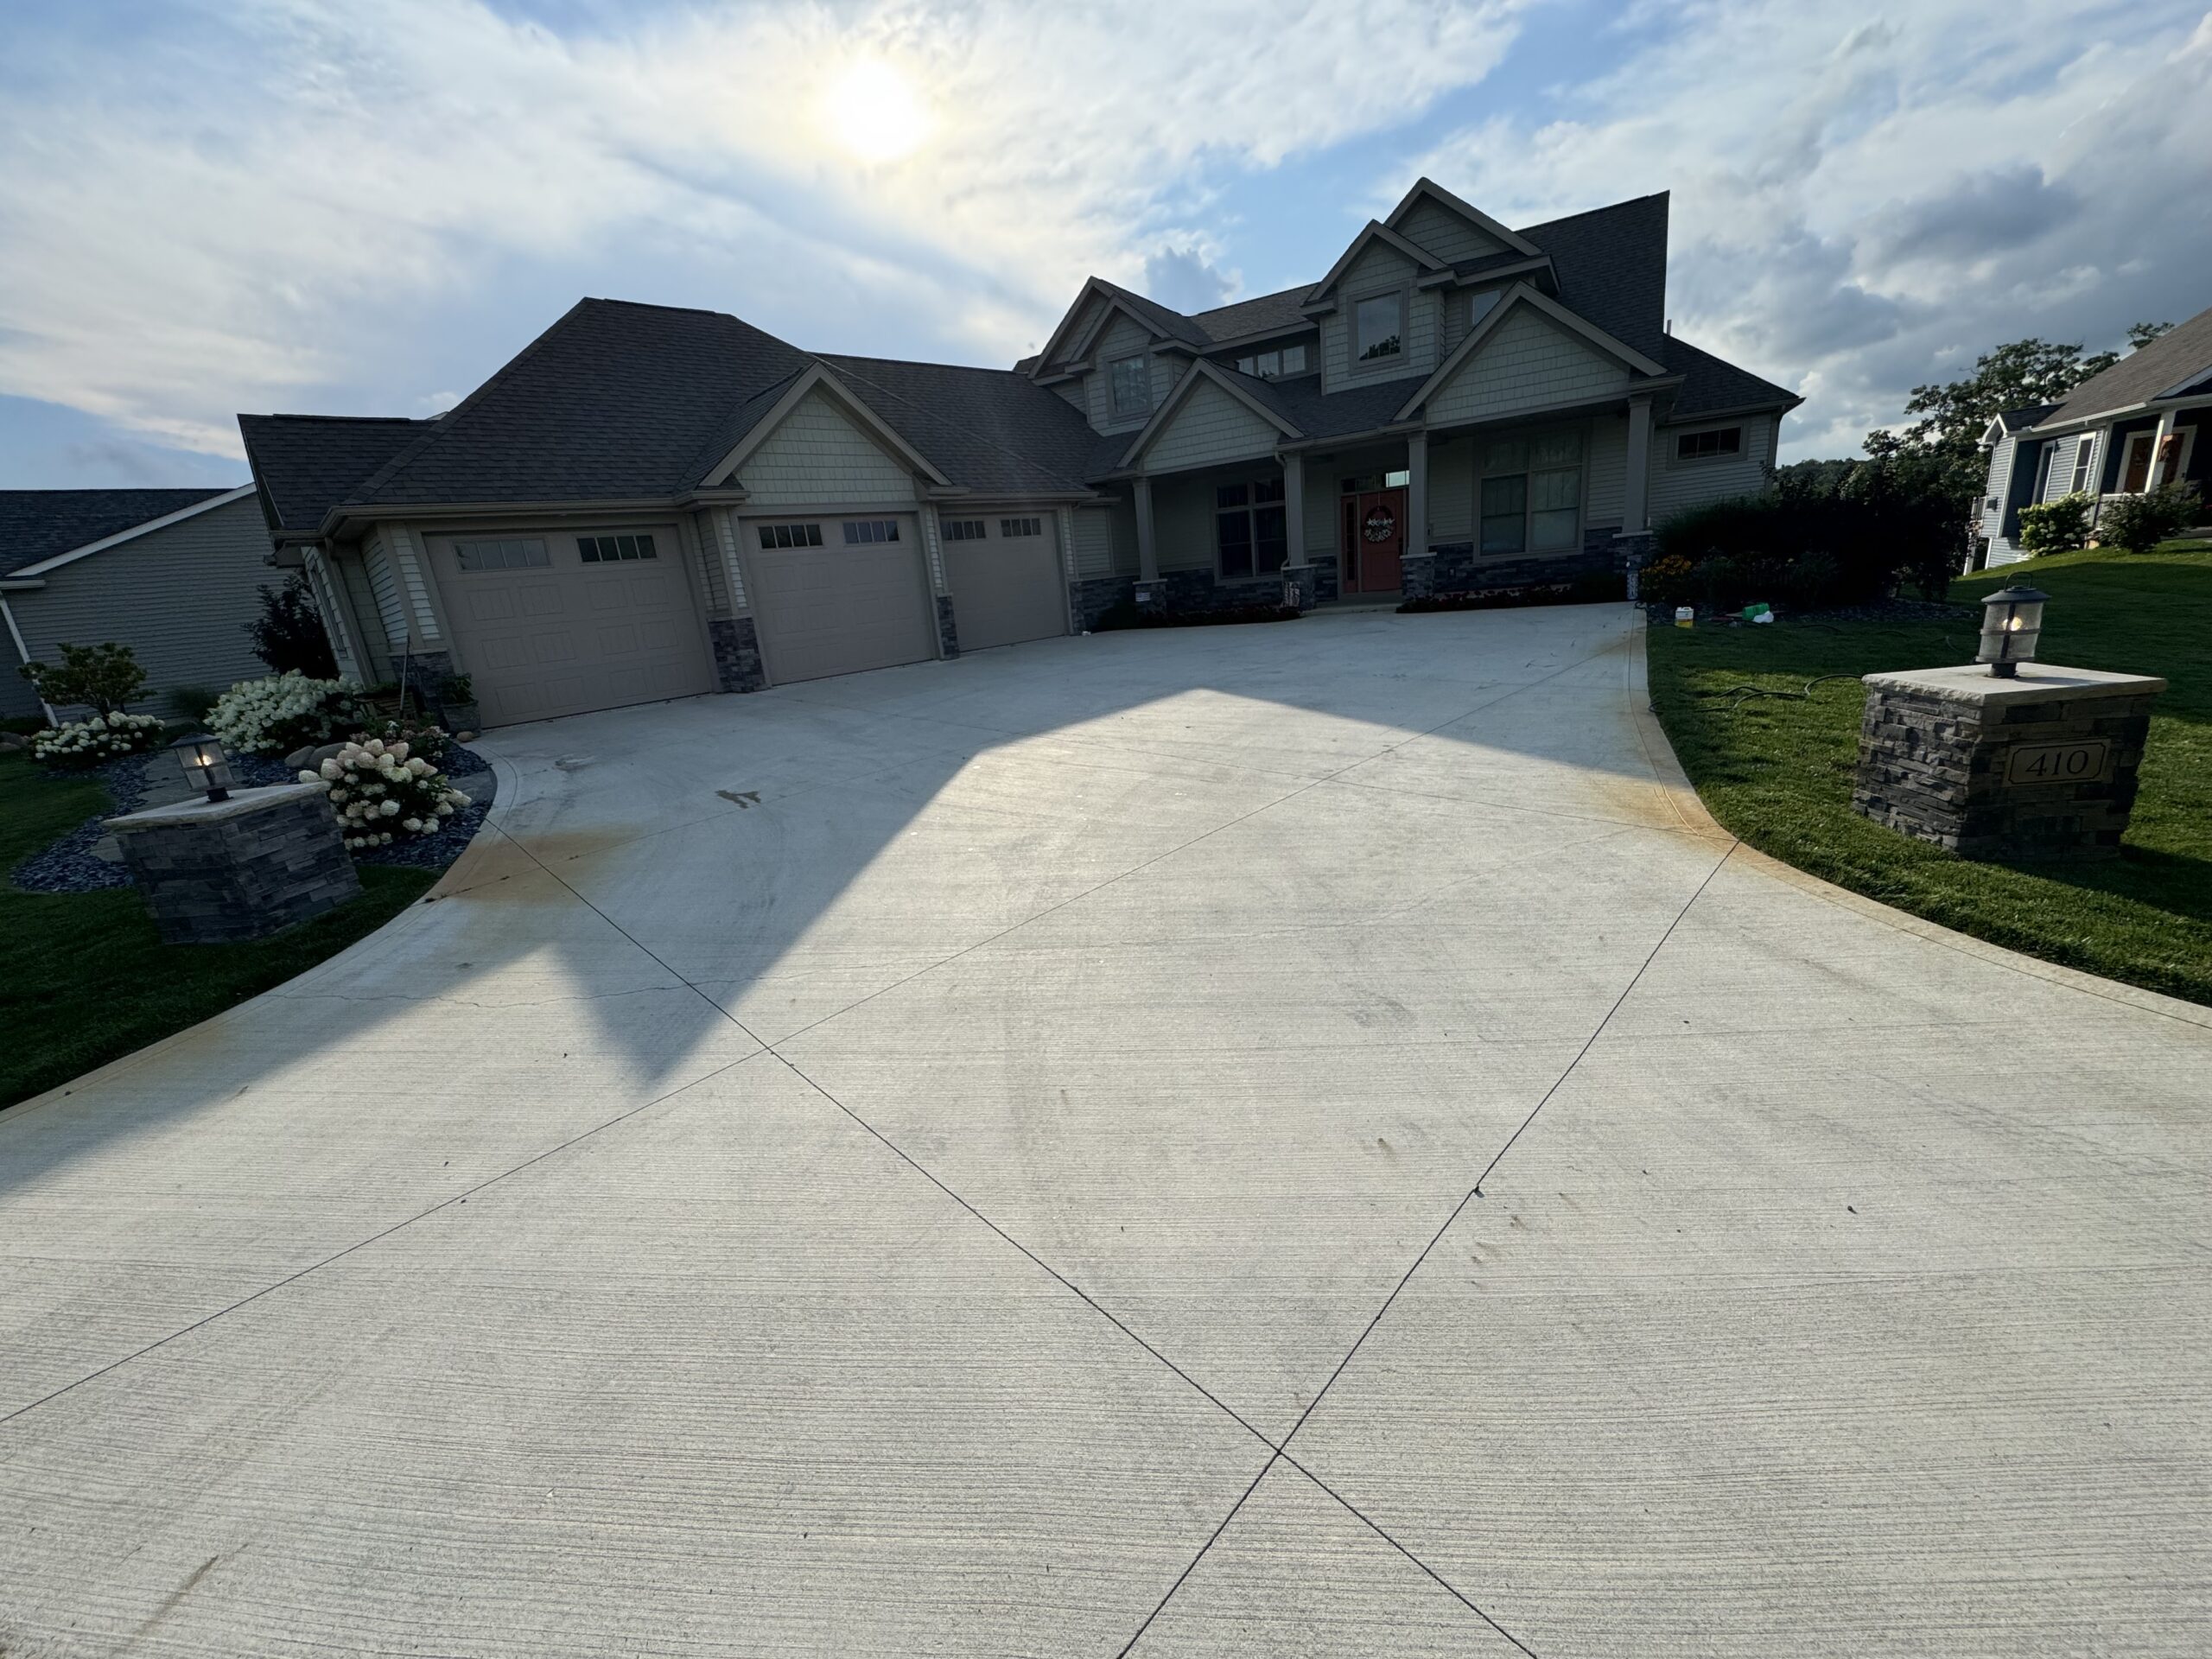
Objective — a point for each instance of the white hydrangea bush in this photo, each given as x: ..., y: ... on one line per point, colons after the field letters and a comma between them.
x: 381, y: 791
x: 284, y: 711
x: 104, y: 737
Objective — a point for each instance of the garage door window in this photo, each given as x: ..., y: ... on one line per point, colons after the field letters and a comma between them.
x: 473, y: 556
x: 613, y: 550
x: 1020, y: 527
x: 791, y: 535
x: 963, y: 530
x: 858, y: 530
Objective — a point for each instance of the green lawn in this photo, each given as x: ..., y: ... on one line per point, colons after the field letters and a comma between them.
x: 84, y: 980
x: 1777, y: 773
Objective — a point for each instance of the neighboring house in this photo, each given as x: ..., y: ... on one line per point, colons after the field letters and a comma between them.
x: 175, y: 574
x: 649, y: 502
x: 2141, y: 424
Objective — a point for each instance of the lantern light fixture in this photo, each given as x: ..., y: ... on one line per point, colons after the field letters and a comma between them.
x: 206, y: 765
x: 2011, y: 618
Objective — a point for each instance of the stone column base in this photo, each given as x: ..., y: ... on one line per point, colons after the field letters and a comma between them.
x: 1417, y: 576
x: 214, y: 872
x: 2040, y: 766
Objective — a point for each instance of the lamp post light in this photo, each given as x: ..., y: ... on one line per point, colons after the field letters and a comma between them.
x: 205, y: 764
x: 2011, y: 619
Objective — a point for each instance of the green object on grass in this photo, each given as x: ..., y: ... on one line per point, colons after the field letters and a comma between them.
x: 1757, y: 608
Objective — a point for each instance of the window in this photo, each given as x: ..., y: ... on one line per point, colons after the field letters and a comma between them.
x: 611, y: 550
x: 1269, y: 366
x: 1705, y: 446
x: 791, y: 535
x: 1531, y: 493
x: 1251, y: 535
x: 1012, y: 527
x: 2084, y: 448
x: 1378, y: 327
x: 963, y: 530
x: 501, y: 556
x: 858, y: 530
x: 1131, y: 380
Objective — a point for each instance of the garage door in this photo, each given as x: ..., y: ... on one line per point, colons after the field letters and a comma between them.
x: 559, y: 624
x: 839, y: 595
x: 1004, y: 575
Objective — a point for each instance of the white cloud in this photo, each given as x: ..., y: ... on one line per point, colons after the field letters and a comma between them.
x: 260, y: 202
x: 1859, y: 208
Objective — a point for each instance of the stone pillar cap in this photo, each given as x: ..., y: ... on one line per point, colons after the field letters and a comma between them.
x: 201, y: 810
x: 2035, y: 682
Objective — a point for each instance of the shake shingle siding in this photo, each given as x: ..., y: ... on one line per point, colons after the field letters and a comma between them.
x: 1209, y: 429
x: 817, y: 455
x: 1436, y: 229
x: 1526, y: 363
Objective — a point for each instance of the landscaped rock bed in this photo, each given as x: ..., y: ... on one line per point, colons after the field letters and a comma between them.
x: 72, y: 864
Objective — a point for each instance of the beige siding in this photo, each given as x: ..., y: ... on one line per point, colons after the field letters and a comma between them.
x: 818, y: 456
x: 1528, y: 363
x: 1607, y: 474
x: 181, y: 598
x: 1379, y: 266
x: 1452, y: 490
x: 1209, y: 427
x: 384, y: 587
x: 1123, y: 338
x: 1434, y: 228
x: 1094, y: 543
x: 1676, y: 485
x: 706, y: 560
x: 1073, y: 392
x: 344, y: 631
x: 352, y: 569
x: 414, y: 585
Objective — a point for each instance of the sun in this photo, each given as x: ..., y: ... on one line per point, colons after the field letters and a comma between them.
x: 874, y: 112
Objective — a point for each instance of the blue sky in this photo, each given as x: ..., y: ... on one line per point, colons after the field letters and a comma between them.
x: 366, y: 206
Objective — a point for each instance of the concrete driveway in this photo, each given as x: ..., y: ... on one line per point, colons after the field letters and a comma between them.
x: 984, y: 1158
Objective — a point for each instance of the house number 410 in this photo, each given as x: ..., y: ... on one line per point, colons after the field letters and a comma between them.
x: 2057, y: 763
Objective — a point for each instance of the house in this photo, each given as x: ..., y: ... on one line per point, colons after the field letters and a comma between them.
x: 2138, y: 426
x: 175, y: 574
x: 649, y: 502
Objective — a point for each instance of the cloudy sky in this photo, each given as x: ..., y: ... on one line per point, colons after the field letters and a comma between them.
x: 366, y: 206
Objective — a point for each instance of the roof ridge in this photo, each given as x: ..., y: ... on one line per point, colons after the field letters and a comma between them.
x: 916, y: 363
x: 439, y: 429
x: 392, y: 420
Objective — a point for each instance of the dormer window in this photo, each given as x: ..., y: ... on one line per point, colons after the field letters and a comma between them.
x: 1131, y: 380
x: 1378, y: 327
x: 1267, y: 365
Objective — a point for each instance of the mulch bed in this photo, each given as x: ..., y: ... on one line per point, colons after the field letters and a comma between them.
x: 68, y: 865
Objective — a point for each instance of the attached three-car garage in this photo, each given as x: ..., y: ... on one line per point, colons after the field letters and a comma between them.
x: 839, y: 595
x: 1004, y: 571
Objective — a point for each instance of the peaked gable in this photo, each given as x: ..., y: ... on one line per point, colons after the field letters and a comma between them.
x: 1428, y: 206
x: 817, y: 451
x: 1211, y: 415
x: 1528, y: 353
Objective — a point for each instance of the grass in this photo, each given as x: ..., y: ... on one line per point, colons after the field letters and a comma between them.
x: 85, y: 980
x: 1777, y: 772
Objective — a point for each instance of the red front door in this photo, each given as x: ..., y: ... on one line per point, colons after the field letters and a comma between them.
x: 1374, y: 540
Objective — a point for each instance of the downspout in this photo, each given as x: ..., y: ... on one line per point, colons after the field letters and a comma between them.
x: 23, y: 653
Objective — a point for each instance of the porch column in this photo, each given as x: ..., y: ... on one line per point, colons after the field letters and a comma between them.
x: 1297, y: 566
x: 1147, y: 551
x: 1635, y: 486
x: 2157, y: 475
x: 1417, y: 495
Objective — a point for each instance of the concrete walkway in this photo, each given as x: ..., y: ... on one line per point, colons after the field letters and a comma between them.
x: 983, y: 1159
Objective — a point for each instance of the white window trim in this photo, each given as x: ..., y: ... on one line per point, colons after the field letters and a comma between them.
x: 1354, y: 363
x: 2083, y: 478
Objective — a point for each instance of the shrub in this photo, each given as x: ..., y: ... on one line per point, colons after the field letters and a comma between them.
x: 1666, y: 579
x: 283, y: 712
x: 191, y: 702
x: 457, y: 688
x: 423, y: 739
x: 2139, y: 523
x: 101, y: 678
x: 104, y: 737
x: 289, y: 634
x: 380, y: 791
x: 2056, y: 526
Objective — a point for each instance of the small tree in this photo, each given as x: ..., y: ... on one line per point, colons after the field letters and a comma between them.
x: 102, y: 677
x: 2056, y: 526
x: 2140, y: 523
x: 289, y: 634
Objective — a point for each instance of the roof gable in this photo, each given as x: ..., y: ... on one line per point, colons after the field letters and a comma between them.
x: 1429, y: 207
x: 1374, y: 232
x: 1508, y: 324
x: 1248, y: 394
x: 819, y: 382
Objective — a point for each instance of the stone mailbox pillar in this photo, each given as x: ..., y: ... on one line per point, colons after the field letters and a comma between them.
x: 217, y: 871
x: 2042, y: 765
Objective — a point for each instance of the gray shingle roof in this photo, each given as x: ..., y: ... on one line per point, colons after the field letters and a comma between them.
x: 612, y: 403
x: 2177, y: 358
x: 306, y: 464
x: 1711, y: 383
x: 1265, y: 314
x: 1611, y: 265
x: 1173, y: 323
x: 990, y: 429
x: 2019, y: 420
x: 36, y: 524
